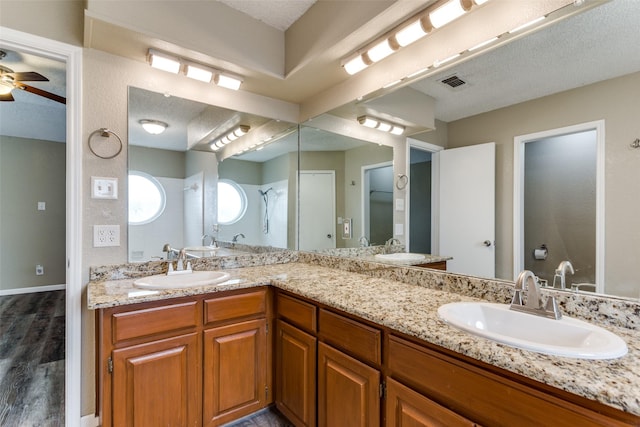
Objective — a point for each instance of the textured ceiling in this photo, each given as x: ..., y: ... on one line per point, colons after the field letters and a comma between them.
x: 599, y: 44
x: 279, y: 14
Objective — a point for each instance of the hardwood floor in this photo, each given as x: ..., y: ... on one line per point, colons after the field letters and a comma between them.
x: 32, y: 332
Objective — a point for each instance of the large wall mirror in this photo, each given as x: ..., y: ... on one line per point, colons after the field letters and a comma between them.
x: 551, y: 79
x: 184, y: 194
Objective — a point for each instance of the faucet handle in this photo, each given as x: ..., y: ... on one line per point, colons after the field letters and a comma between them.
x: 552, y: 307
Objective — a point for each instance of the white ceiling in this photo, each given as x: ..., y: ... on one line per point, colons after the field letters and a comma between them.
x: 279, y: 14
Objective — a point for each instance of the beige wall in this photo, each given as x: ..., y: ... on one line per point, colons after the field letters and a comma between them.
x: 616, y: 101
x: 32, y: 171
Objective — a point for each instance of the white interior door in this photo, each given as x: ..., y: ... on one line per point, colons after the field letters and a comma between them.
x: 317, y: 210
x: 467, y: 209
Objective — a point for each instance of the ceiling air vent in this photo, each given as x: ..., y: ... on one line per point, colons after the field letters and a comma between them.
x: 453, y: 81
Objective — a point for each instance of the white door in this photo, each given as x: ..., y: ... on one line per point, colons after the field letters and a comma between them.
x: 467, y: 209
x: 317, y: 210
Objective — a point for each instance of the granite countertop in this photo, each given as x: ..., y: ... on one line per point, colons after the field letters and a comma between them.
x: 428, y: 259
x: 412, y: 309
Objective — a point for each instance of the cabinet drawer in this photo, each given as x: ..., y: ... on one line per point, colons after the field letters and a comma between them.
x: 151, y: 321
x: 297, y: 312
x: 362, y: 341
x: 485, y: 397
x: 235, y: 307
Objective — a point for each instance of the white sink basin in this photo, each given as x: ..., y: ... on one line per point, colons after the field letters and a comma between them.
x: 178, y: 281
x: 401, y: 256
x: 565, y: 337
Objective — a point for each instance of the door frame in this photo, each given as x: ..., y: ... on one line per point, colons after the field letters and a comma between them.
x: 365, y: 196
x: 72, y: 56
x: 435, y: 191
x: 518, y: 193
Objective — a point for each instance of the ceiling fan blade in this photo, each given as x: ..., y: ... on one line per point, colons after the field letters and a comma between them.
x: 6, y: 97
x: 35, y: 90
x: 29, y: 76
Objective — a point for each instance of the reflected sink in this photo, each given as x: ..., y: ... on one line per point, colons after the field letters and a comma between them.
x: 566, y: 337
x: 179, y: 281
x: 400, y: 256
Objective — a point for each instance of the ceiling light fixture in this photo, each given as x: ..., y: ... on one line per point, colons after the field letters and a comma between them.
x: 230, y: 136
x: 408, y: 32
x: 154, y: 127
x: 163, y: 62
x: 199, y: 72
x: 228, y: 81
x: 449, y: 12
x: 172, y: 64
x: 381, y: 125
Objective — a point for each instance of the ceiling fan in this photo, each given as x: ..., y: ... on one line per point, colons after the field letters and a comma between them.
x: 10, y: 80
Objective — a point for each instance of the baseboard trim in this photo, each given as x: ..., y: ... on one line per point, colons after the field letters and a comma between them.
x: 89, y: 421
x: 32, y: 289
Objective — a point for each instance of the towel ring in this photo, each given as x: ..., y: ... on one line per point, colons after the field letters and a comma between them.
x: 402, y: 181
x: 105, y: 133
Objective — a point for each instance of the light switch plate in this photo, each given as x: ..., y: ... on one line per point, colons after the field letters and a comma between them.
x: 399, y: 204
x: 346, y: 228
x: 106, y: 235
x: 104, y: 188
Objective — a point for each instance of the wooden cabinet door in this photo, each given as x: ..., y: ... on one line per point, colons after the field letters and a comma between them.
x: 407, y: 408
x: 235, y: 371
x: 348, y: 390
x: 158, y: 383
x: 296, y: 375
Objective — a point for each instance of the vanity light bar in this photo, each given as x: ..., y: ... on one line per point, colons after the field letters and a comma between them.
x: 166, y: 62
x: 230, y: 136
x: 409, y: 32
x: 381, y: 125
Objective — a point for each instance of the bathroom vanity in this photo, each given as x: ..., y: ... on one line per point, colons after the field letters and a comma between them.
x: 331, y: 347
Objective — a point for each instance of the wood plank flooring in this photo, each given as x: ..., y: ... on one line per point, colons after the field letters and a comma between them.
x: 266, y: 418
x: 32, y: 333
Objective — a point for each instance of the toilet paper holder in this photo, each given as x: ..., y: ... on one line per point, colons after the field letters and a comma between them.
x: 541, y: 252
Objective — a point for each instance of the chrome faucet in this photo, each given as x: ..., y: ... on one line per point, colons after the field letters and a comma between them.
x: 364, y: 242
x: 181, y: 260
x: 389, y: 243
x: 561, y: 273
x: 527, y: 280
x: 204, y: 239
x: 235, y: 237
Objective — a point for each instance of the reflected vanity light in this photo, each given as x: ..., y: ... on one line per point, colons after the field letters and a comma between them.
x: 234, y: 134
x: 164, y: 62
x: 527, y: 25
x: 172, y: 64
x: 153, y: 127
x: 408, y: 32
x: 381, y: 125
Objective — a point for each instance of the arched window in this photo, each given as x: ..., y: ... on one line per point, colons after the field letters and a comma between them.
x: 232, y: 202
x: 147, y: 198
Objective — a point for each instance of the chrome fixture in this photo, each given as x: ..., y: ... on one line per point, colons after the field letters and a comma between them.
x: 389, y: 243
x: 528, y: 280
x: 172, y: 253
x: 235, y: 237
x: 204, y: 239
x: 561, y: 273
x: 364, y: 242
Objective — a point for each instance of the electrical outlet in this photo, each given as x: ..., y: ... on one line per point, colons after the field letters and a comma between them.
x: 39, y: 270
x: 106, y: 235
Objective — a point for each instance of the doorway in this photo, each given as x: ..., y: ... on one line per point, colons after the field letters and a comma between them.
x: 72, y: 56
x: 377, y: 202
x: 558, y: 207
x: 317, y: 204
